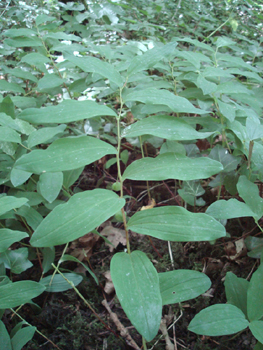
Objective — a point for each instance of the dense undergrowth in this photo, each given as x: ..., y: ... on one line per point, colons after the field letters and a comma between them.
x: 131, y: 140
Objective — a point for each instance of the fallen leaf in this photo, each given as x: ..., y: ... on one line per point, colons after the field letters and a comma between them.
x: 114, y: 235
x: 109, y: 287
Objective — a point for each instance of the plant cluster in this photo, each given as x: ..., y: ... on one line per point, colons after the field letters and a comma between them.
x: 91, y: 83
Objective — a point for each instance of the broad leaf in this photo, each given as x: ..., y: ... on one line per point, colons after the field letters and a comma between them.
x: 222, y: 155
x: 229, y: 209
x: 59, y: 284
x: 219, y: 319
x: 17, y: 293
x: 163, y: 97
x: 80, y: 215
x: 171, y: 166
x: 66, y: 112
x: 236, y: 291
x: 255, y: 295
x: 22, y: 336
x: 44, y: 134
x: 4, y: 336
x: 175, y: 223
x: 9, y: 135
x: 8, y: 237
x: 65, y: 154
x: 137, y: 286
x: 249, y: 192
x: 181, y: 285
x: 256, y: 328
x: 8, y: 203
x: 164, y: 126
x: 92, y: 64
x: 150, y: 58
x: 16, y: 260
x: 49, y: 185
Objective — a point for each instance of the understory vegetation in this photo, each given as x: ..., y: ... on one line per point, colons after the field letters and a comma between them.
x: 131, y: 159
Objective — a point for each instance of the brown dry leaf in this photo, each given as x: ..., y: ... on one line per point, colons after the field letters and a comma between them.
x: 114, y: 235
x: 109, y: 287
x: 236, y: 250
x: 83, y: 247
x: 212, y: 265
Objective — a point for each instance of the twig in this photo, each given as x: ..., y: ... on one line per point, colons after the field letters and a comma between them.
x: 123, y: 331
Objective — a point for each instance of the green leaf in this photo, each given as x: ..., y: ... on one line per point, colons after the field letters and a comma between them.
x: 254, y: 129
x: 80, y: 215
x: 181, y: 285
x: 44, y: 18
x: 35, y: 59
x: 33, y: 217
x: 258, y: 346
x: 12, y: 87
x: 249, y: 192
x: 92, y: 64
x: 48, y: 258
x: 256, y: 328
x: 22, y: 336
x: 59, y: 284
x: 16, y: 260
x: 67, y: 257
x: 171, y: 166
x: 228, y: 110
x: 8, y: 237
x: 44, y: 135
x: 163, y: 97
x: 9, y: 135
x: 229, y: 209
x: 236, y: 291
x: 49, y: 185
x: 17, y: 293
x: 4, y: 336
x: 207, y: 86
x: 8, y: 203
x: 255, y: 295
x: 164, y: 126
x: 175, y: 223
x: 137, y: 287
x: 70, y: 176
x: 222, y: 155
x: 49, y: 81
x: 15, y: 32
x: 150, y: 58
x: 66, y: 112
x: 195, y: 58
x: 65, y: 154
x: 24, y: 42
x: 219, y: 319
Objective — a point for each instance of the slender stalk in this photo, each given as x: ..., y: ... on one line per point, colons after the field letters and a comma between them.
x: 119, y: 169
x: 28, y: 324
x: 81, y: 296
x: 144, y: 344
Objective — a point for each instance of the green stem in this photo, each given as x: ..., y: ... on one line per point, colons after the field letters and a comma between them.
x: 216, y: 30
x: 144, y: 344
x: 28, y: 324
x: 119, y: 169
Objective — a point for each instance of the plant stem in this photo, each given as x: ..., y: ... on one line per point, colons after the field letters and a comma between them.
x: 28, y: 324
x: 119, y: 169
x: 144, y: 344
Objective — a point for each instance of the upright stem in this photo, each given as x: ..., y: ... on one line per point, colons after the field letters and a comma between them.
x: 119, y: 170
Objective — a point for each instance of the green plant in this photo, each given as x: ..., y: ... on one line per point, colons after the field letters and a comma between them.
x: 244, y: 309
x: 65, y: 105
